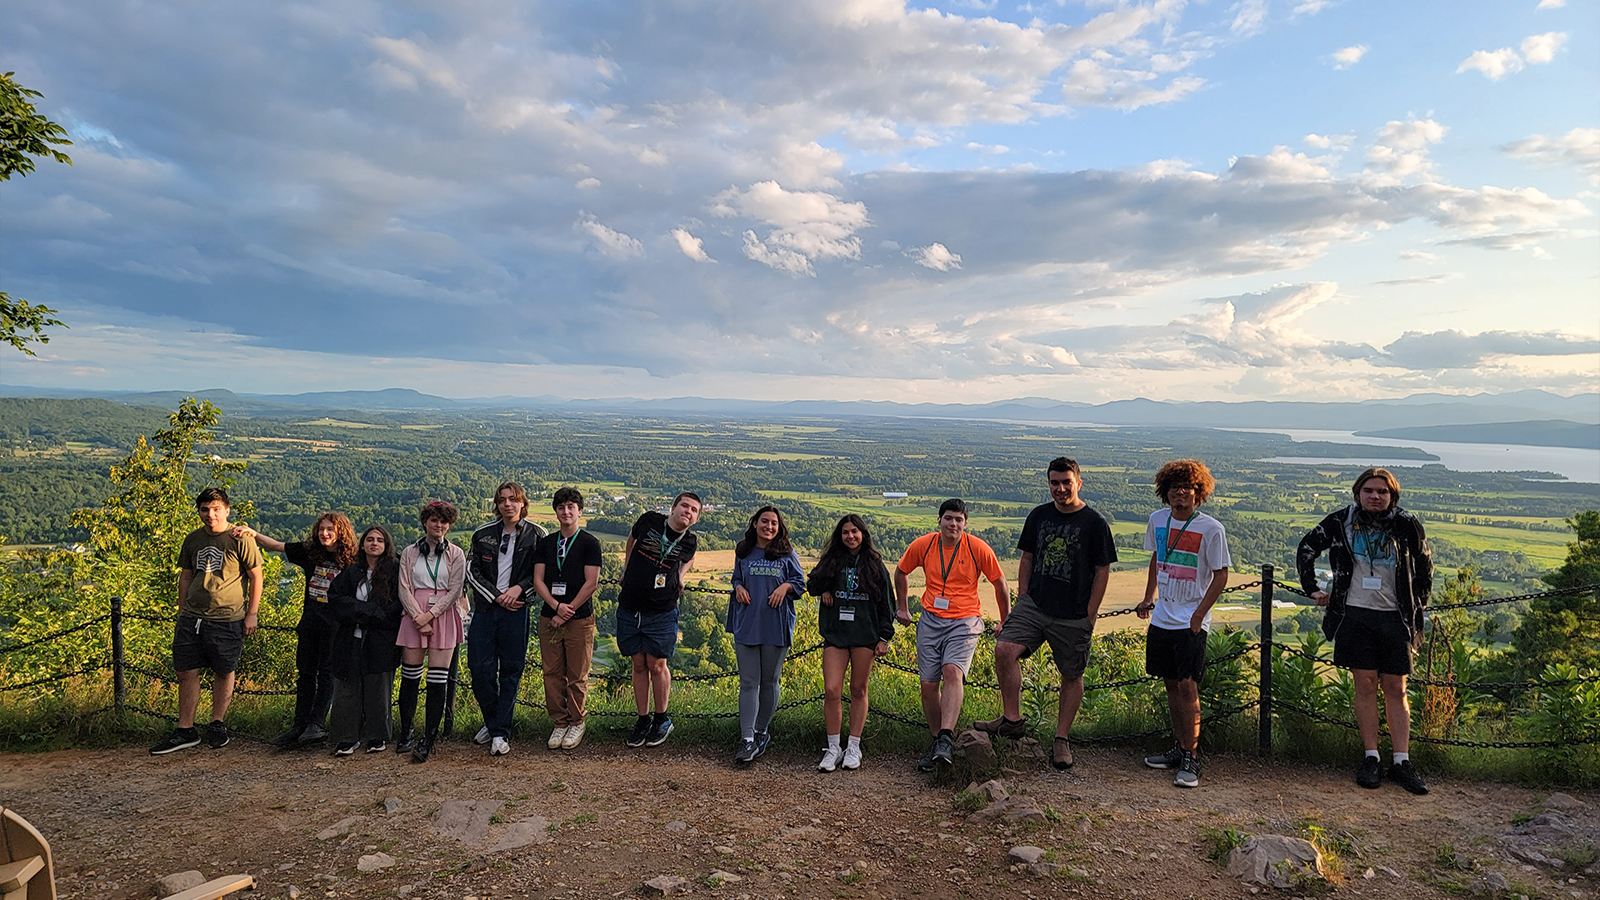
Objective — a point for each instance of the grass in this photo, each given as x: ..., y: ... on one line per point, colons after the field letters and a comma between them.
x: 1219, y: 842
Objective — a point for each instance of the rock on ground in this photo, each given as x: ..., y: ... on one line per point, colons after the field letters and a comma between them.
x: 977, y: 747
x: 1270, y: 859
x: 532, y: 830
x: 1025, y: 855
x: 374, y: 862
x: 666, y: 884
x: 465, y: 820
x: 178, y: 881
x: 338, y: 829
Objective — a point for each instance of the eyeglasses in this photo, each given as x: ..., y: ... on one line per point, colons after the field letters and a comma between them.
x: 1180, y: 489
x: 505, y: 542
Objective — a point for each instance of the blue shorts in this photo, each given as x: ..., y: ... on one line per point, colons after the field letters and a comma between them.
x: 653, y: 634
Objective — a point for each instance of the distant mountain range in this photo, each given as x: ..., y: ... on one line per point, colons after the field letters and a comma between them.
x: 1417, y: 410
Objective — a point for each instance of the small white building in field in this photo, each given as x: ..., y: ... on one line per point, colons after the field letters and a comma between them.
x: 894, y: 495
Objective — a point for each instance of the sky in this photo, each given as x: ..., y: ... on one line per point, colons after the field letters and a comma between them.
x: 822, y: 199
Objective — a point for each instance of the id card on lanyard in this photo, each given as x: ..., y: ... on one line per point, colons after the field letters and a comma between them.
x: 666, y: 551
x: 942, y: 602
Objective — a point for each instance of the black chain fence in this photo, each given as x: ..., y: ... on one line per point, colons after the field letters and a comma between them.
x: 1266, y: 705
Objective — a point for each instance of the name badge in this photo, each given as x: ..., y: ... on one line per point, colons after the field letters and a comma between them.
x: 661, y: 580
x: 847, y: 613
x: 358, y: 632
x: 1372, y: 584
x: 941, y: 603
x: 1162, y: 577
x: 560, y: 590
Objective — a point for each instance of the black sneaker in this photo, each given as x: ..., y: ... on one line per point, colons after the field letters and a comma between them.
x: 1369, y: 775
x: 289, y: 738
x: 746, y: 753
x: 407, y: 742
x: 313, y: 734
x: 1000, y: 726
x: 660, y: 727
x: 346, y: 749
x: 1168, y: 760
x: 179, y: 739
x: 377, y: 746
x: 640, y: 732
x: 763, y: 741
x: 944, y: 750
x: 927, y: 762
x: 1188, y: 772
x: 216, y: 735
x: 424, y: 747
x: 1405, y: 775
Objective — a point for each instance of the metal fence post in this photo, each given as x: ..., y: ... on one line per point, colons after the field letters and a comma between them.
x: 119, y: 677
x: 450, y: 693
x: 1266, y: 660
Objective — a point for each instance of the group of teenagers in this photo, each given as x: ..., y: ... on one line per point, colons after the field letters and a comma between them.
x: 371, y: 607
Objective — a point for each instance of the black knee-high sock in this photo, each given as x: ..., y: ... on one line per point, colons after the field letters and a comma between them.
x: 410, y: 684
x: 438, y: 680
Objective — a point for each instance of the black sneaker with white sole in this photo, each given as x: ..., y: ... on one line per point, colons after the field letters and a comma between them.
x: 179, y: 739
x: 660, y: 727
x: 1168, y: 760
x: 1188, y: 772
x: 640, y: 732
x: 1405, y: 774
x: 216, y: 735
x: 346, y: 749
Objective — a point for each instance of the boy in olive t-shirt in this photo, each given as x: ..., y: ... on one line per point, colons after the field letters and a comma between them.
x: 219, y: 591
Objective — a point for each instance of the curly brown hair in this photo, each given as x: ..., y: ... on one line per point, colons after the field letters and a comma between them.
x: 1185, y: 471
x: 443, y: 510
x: 345, y: 547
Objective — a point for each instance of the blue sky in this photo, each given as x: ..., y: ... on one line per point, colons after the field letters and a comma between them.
x: 853, y: 200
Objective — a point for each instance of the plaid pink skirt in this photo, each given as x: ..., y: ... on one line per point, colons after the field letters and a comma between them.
x: 447, y: 631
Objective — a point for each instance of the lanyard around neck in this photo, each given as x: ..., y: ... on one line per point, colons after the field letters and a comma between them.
x: 564, y: 547
x: 944, y: 568
x: 1172, y: 542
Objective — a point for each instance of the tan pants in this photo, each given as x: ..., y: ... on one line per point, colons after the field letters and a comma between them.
x: 565, y: 654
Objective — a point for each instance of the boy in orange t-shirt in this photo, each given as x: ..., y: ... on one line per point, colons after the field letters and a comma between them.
x: 947, y: 633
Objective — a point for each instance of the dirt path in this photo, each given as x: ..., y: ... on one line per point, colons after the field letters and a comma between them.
x: 607, y: 819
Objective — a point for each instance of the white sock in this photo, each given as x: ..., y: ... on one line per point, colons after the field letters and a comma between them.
x: 1401, y: 757
x: 855, y: 742
x: 833, y: 742
x: 1372, y: 753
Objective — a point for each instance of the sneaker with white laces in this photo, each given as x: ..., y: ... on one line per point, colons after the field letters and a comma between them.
x: 1168, y: 760
x: 852, y: 756
x: 482, y: 737
x: 574, y: 736
x: 556, y: 737
x: 499, y: 746
x: 830, y: 759
x: 1188, y: 772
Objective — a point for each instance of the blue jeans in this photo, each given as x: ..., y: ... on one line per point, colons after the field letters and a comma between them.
x: 497, y: 652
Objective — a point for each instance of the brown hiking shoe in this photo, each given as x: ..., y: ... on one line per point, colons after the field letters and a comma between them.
x: 1061, y: 754
x: 1000, y: 726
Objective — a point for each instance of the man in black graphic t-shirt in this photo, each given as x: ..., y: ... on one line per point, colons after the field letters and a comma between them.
x: 657, y: 556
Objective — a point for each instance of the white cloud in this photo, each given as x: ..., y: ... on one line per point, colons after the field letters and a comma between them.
x: 935, y: 256
x: 777, y: 257
x: 1329, y: 141
x: 1349, y: 56
x: 1401, y: 149
x: 1091, y: 83
x: 1579, y: 148
x: 1455, y: 349
x: 1539, y: 49
x: 1310, y: 7
x: 1279, y: 166
x: 1493, y: 64
x: 691, y: 246
x: 607, y: 240
x: 588, y: 184
x: 1419, y: 256
x: 988, y: 149
x: 1552, y: 4
x: 812, y: 224
x: 1250, y: 17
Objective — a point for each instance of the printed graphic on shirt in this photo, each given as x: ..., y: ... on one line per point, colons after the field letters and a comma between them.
x: 1181, y: 561
x: 319, y: 580
x: 1060, y: 546
x: 209, y: 559
x: 772, y: 568
x: 1373, y: 547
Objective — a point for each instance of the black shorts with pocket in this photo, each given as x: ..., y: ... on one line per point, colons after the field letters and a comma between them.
x: 1373, y: 639
x: 204, y: 644
x: 1175, y: 653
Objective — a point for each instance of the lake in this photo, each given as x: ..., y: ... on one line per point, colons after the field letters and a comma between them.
x: 1575, y: 463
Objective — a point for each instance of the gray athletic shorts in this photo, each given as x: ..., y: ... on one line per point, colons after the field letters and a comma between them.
x: 1069, y: 638
x: 942, y: 642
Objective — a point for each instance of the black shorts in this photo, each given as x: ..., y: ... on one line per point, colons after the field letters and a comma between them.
x: 1372, y: 639
x: 203, y: 644
x: 1175, y: 654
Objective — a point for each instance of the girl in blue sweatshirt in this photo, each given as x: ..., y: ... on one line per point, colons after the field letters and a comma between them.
x: 766, y: 581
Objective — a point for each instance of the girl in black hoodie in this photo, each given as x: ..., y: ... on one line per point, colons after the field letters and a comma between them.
x: 365, y: 602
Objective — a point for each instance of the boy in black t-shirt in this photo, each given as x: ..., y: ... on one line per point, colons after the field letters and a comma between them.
x: 1067, y: 554
x: 566, y: 572
x: 657, y: 556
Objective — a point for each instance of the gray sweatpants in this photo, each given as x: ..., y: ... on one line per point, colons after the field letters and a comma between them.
x: 760, y: 666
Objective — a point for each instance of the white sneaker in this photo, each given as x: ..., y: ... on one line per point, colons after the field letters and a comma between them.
x: 556, y: 737
x: 830, y: 759
x: 482, y: 737
x: 499, y: 747
x: 852, y: 756
x: 574, y: 736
